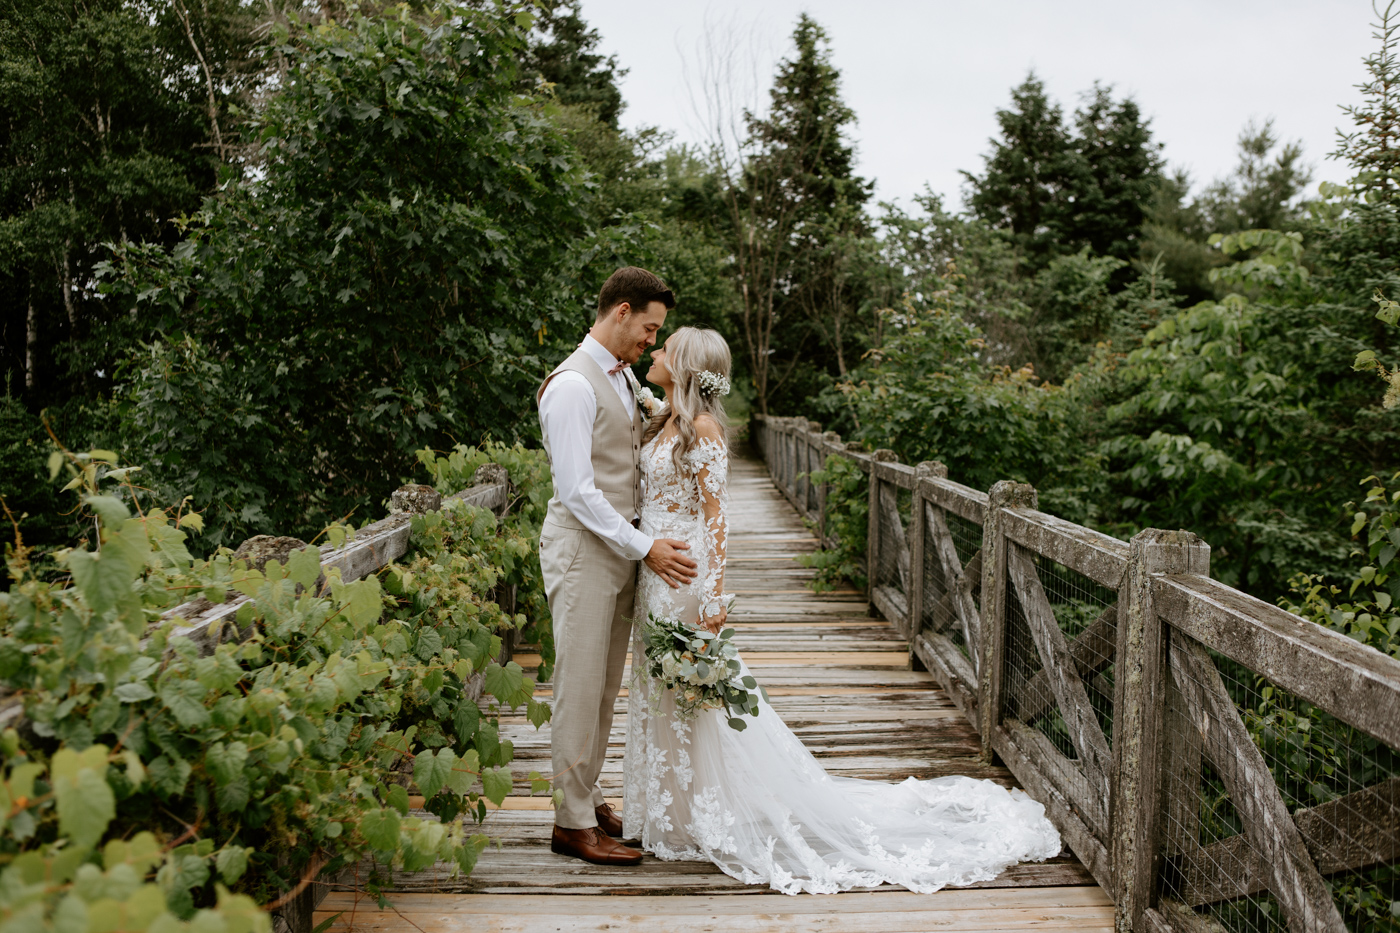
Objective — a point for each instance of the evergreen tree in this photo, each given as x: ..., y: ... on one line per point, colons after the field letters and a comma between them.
x: 1120, y: 168
x: 795, y: 197
x: 1374, y: 148
x: 1031, y: 172
x: 562, y: 53
x: 1058, y: 189
x: 1261, y: 193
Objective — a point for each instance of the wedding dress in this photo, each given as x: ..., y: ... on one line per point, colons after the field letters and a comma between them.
x: 756, y: 802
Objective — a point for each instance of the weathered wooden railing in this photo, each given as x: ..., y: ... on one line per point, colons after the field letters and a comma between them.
x: 1131, y: 695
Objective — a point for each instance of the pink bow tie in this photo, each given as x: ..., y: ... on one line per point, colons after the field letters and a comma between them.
x: 618, y: 368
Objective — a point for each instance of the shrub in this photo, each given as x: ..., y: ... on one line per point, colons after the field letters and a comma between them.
x: 274, y: 756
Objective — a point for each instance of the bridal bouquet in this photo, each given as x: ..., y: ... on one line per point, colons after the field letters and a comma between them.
x: 700, y: 668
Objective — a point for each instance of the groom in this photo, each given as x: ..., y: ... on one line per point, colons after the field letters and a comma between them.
x: 590, y: 545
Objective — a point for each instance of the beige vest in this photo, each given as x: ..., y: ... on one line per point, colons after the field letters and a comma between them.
x: 617, y: 443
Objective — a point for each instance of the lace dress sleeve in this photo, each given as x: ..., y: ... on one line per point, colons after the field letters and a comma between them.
x: 709, y: 459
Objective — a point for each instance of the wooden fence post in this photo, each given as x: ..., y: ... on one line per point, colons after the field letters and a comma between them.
x: 814, y: 444
x: 832, y: 439
x: 1139, y: 707
x: 914, y: 598
x: 992, y: 646
x: 872, y: 536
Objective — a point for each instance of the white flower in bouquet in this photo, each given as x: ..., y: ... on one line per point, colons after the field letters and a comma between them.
x: 700, y: 668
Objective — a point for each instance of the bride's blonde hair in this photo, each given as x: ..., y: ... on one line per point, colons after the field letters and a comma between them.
x: 690, y: 352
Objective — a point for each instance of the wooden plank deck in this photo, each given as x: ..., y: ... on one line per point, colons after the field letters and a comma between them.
x: 842, y: 681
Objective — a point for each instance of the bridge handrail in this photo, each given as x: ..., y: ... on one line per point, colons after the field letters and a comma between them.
x: 1121, y: 785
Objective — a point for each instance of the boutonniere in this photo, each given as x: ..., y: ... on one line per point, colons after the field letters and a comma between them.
x: 646, y: 399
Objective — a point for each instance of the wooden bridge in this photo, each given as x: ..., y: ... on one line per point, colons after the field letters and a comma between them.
x: 843, y: 681
x: 1212, y: 762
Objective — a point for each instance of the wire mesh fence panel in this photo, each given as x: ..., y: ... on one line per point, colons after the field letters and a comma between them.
x: 813, y: 464
x: 967, y: 537
x: 1086, y: 615
x: 967, y: 541
x: 940, y: 614
x: 892, y: 552
x: 1276, y: 816
x: 1029, y: 696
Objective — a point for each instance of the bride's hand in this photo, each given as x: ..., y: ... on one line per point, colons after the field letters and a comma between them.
x: 715, y: 622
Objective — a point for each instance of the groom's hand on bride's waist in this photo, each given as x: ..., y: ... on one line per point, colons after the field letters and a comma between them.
x: 667, y: 562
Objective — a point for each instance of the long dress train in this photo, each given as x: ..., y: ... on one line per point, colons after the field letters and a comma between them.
x: 756, y: 802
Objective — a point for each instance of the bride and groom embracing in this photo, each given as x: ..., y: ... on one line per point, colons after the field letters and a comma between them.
x: 638, y: 529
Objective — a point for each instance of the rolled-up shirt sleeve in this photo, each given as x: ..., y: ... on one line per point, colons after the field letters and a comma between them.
x: 567, y: 410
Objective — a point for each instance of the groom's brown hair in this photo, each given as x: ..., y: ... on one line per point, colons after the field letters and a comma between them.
x: 637, y: 287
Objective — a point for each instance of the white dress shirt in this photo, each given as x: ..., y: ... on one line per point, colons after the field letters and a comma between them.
x: 567, y: 411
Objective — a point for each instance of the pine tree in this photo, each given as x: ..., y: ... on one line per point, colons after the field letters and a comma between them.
x: 793, y: 199
x: 1030, y: 172
x: 1374, y: 149
x: 1058, y: 189
x: 1120, y: 169
x: 562, y: 54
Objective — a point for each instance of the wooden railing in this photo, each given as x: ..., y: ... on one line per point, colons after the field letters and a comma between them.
x: 1129, y: 693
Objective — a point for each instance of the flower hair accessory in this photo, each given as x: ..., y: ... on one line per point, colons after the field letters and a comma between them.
x: 712, y: 384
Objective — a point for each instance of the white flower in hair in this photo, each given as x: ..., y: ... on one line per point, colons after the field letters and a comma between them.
x: 712, y: 384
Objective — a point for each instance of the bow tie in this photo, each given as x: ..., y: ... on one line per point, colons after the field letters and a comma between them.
x: 618, y: 368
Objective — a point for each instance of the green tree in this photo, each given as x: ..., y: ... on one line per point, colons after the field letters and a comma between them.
x: 1057, y: 188
x: 790, y: 193
x: 562, y: 54
x: 405, y: 271
x: 1261, y: 193
x: 1121, y: 169
x: 1373, y: 149
x: 108, y: 132
x: 1029, y: 172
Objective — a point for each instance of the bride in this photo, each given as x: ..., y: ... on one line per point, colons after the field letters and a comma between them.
x: 756, y: 802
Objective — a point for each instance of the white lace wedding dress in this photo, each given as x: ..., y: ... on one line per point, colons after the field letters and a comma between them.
x: 756, y: 802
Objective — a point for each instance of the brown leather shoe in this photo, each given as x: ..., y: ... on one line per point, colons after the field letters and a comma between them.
x: 608, y: 820
x: 592, y: 845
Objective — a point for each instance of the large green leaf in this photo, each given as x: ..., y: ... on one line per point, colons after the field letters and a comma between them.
x: 496, y: 784
x: 86, y: 804
x: 381, y: 829
x: 103, y: 579
x: 431, y: 771
x: 185, y: 699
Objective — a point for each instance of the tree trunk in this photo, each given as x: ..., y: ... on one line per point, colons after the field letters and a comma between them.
x: 31, y: 341
x: 65, y: 278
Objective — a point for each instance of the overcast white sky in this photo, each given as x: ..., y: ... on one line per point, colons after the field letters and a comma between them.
x: 926, y: 77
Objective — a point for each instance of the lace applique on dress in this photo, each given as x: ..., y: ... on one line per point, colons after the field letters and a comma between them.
x: 757, y: 803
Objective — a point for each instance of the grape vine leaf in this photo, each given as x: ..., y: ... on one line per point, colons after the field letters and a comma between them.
x: 381, y: 829
x: 431, y: 771
x: 496, y: 784
x: 304, y: 566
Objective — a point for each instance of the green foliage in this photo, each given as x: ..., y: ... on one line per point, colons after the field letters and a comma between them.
x: 517, y: 558
x: 788, y: 196
x: 561, y: 54
x: 928, y: 395
x: 406, y: 268
x: 1367, y: 610
x: 109, y: 131
x: 1056, y: 189
x: 1373, y: 149
x: 847, y: 508
x: 273, y: 755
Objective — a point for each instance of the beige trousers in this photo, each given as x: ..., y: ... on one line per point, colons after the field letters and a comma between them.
x: 590, y: 590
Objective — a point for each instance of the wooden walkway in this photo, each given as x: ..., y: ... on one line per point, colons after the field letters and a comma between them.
x: 842, y: 681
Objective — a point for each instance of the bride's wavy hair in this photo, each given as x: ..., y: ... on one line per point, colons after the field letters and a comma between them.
x: 690, y: 352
